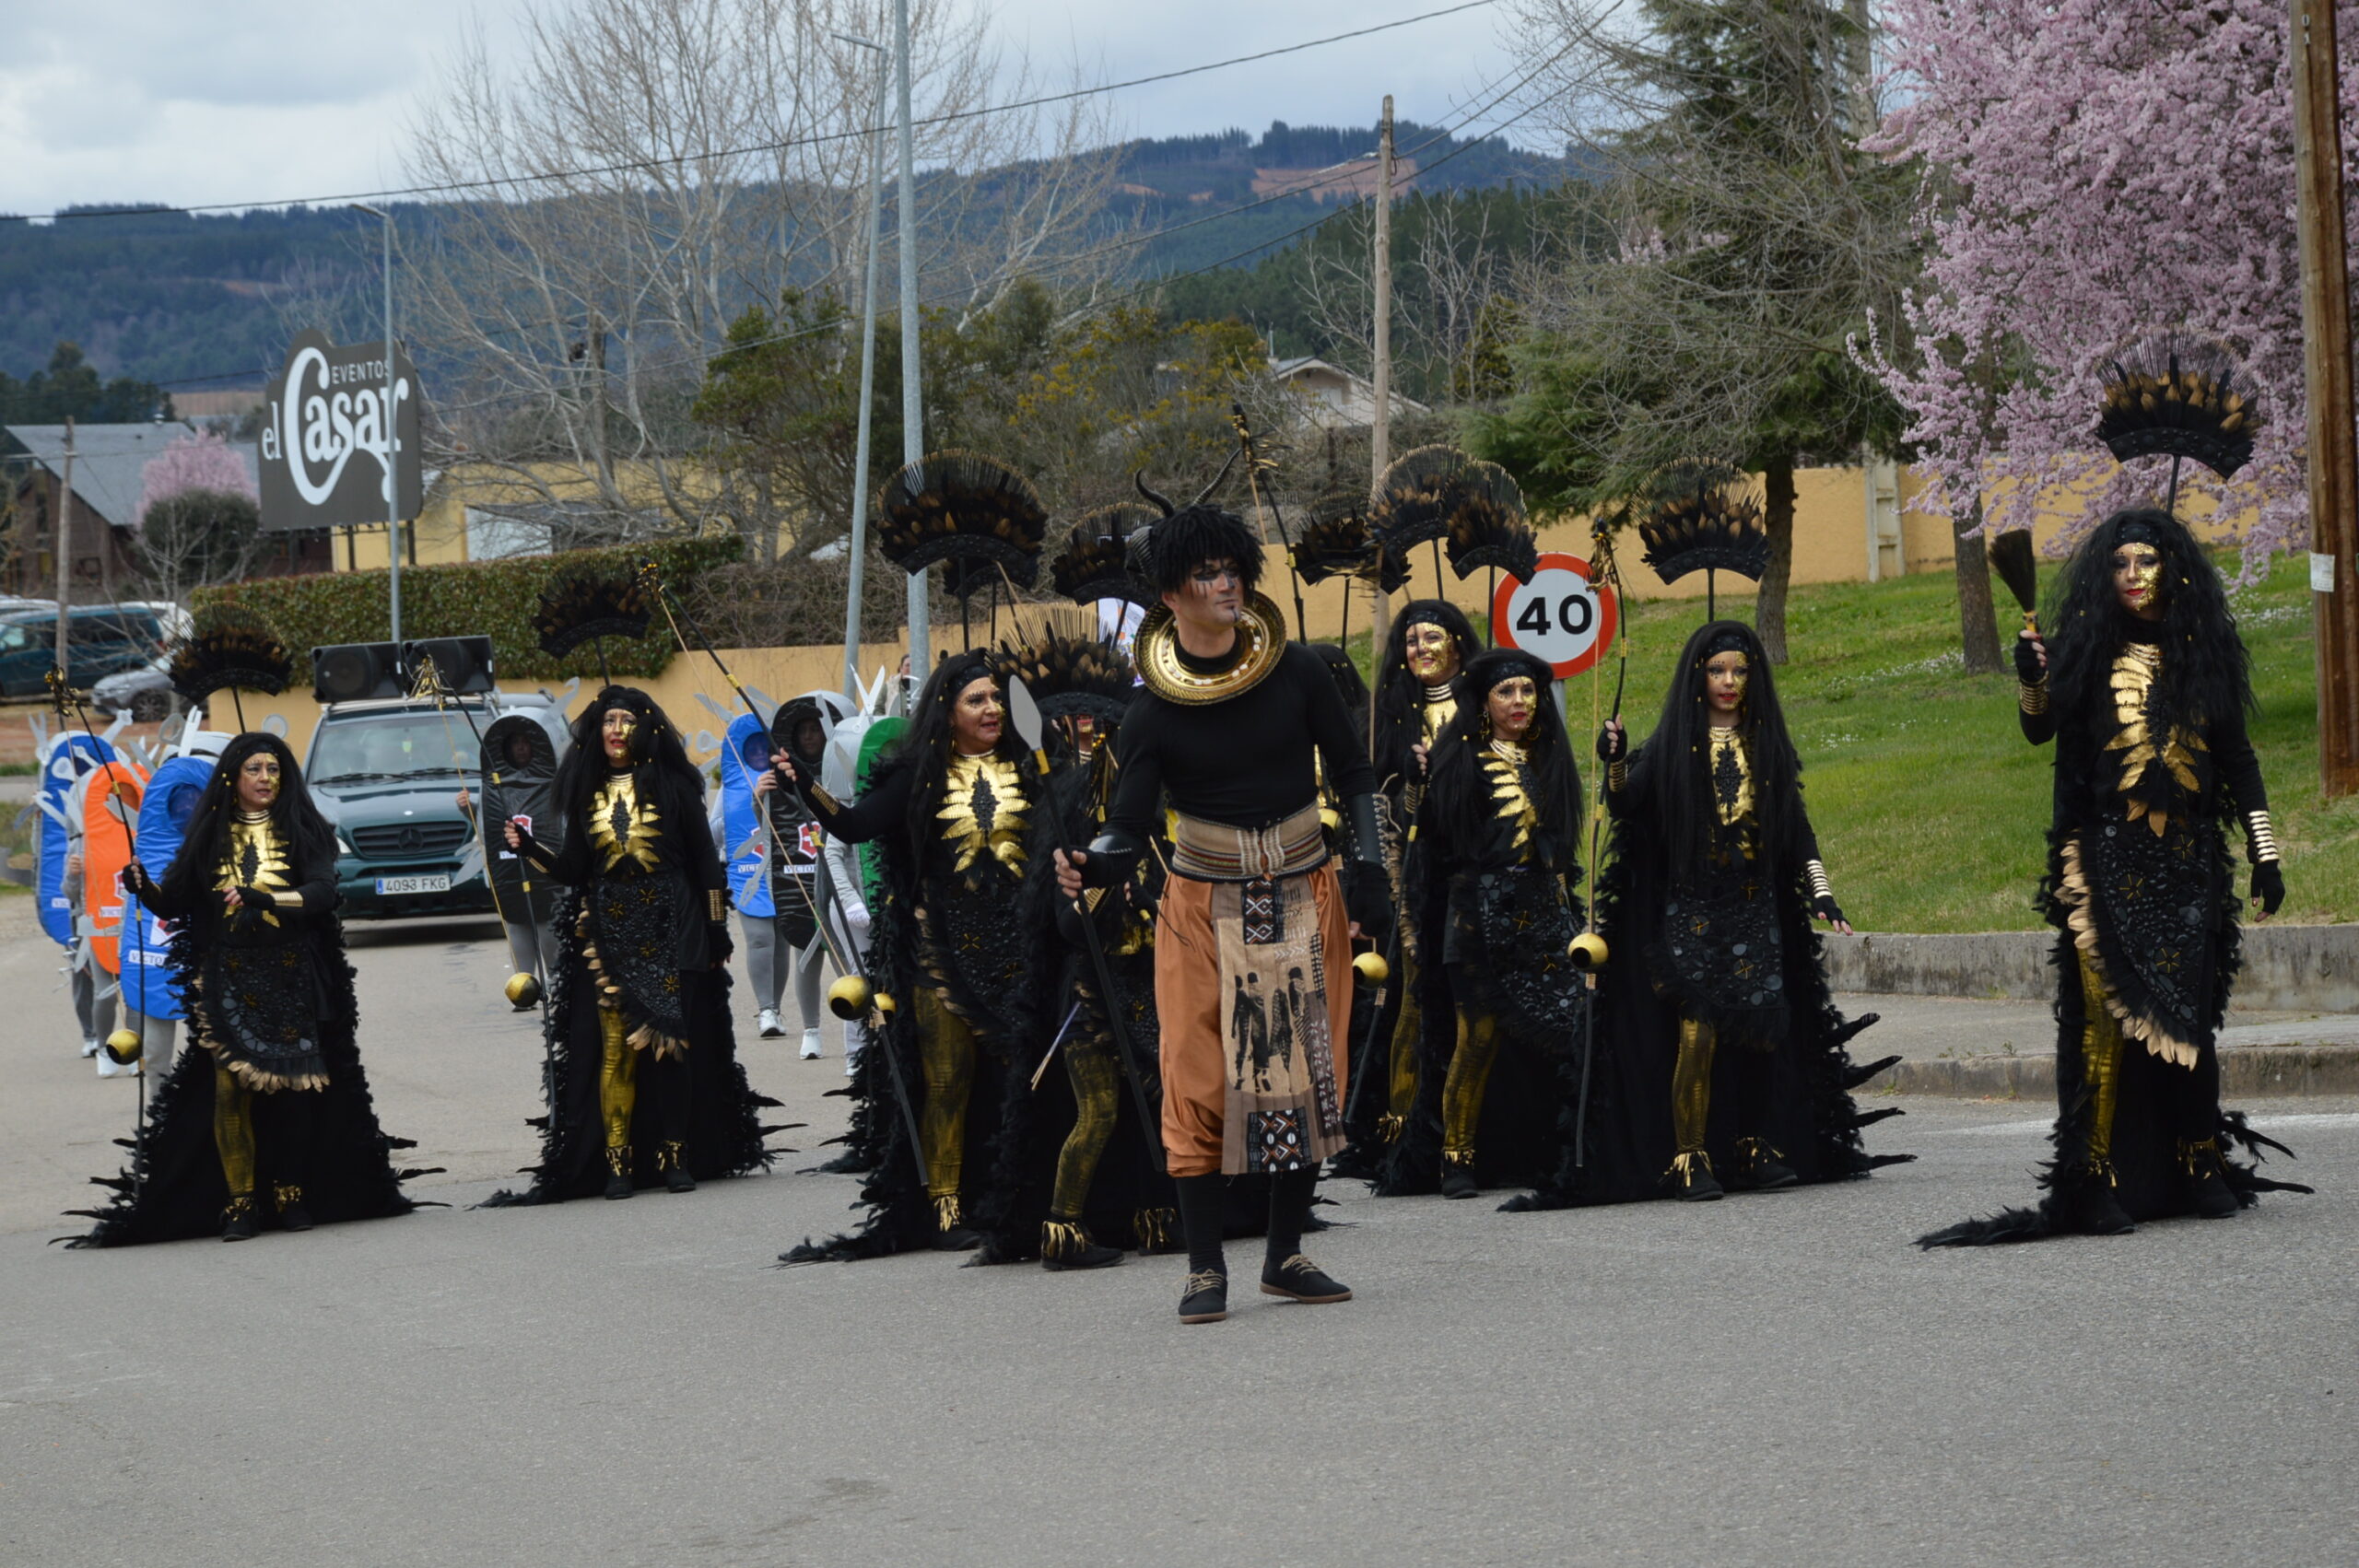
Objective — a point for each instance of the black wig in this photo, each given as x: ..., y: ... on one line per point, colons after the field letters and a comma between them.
x: 2205, y: 675
x: 1670, y: 774
x: 1457, y: 784
x: 189, y: 879
x: 660, y: 769
x: 1179, y: 544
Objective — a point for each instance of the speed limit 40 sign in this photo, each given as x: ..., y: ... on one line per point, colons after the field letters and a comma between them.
x: 1560, y: 616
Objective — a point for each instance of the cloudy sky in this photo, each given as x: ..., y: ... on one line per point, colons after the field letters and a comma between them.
x: 262, y: 101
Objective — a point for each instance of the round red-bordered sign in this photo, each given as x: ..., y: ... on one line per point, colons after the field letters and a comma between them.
x: 1561, y: 616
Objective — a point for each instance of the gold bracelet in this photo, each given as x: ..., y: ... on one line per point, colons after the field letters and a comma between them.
x: 2031, y: 697
x: 1816, y: 870
x: 2262, y: 838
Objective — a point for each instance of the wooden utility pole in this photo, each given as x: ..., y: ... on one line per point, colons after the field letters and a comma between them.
x: 1379, y: 432
x: 2326, y: 374
x: 65, y: 545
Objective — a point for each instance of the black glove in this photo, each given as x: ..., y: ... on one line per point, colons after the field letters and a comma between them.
x: 1111, y: 857
x: 141, y: 887
x: 1612, y: 744
x: 2269, y: 886
x: 1826, y: 909
x: 1368, y: 898
x: 257, y: 898
x: 2027, y: 667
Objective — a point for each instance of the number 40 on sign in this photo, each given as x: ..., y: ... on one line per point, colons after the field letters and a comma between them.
x: 1560, y: 616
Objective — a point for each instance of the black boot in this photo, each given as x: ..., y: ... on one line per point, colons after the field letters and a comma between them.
x: 619, y: 1181
x: 1691, y: 1180
x: 672, y: 1160
x: 239, y: 1220
x: 1067, y: 1244
x: 1204, y: 1298
x: 1458, y: 1180
x: 1285, y: 1270
x: 292, y: 1215
x: 1758, y: 1168
x: 2208, y: 1179
x: 2089, y: 1205
x: 951, y: 1232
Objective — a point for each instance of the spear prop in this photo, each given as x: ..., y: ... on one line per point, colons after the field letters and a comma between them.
x: 1256, y: 464
x: 1589, y: 948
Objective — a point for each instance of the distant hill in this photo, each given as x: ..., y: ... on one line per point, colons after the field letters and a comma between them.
x: 171, y: 297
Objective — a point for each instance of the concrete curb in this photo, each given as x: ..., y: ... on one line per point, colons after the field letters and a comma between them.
x: 2286, y: 968
x: 2245, y: 1072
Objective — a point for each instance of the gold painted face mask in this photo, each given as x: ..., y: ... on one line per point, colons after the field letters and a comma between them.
x: 1433, y: 657
x: 2138, y: 570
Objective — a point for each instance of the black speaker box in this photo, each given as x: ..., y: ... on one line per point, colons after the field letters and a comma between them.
x: 464, y: 662
x: 351, y: 672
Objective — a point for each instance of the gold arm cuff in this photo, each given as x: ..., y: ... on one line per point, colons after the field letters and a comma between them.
x: 819, y: 797
x: 716, y: 903
x: 2032, y: 698
x: 1816, y: 870
x: 1617, y: 775
x: 289, y: 900
x: 2260, y: 838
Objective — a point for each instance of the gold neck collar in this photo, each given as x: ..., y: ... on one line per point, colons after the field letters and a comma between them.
x: 1261, y: 637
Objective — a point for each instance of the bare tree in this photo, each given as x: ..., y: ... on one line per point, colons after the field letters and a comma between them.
x: 650, y: 170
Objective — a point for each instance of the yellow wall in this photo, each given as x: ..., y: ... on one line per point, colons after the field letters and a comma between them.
x: 441, y: 527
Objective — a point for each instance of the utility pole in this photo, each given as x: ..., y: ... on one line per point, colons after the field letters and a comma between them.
x: 912, y: 402
x: 392, y: 432
x: 1380, y: 433
x: 2326, y: 374
x: 867, y: 377
x: 65, y: 545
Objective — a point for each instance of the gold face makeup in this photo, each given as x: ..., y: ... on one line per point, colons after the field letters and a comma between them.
x: 1511, y: 707
x: 615, y: 732
x: 1432, y: 652
x: 2138, y: 579
x: 1725, y: 677
x: 258, y: 782
x: 976, y: 717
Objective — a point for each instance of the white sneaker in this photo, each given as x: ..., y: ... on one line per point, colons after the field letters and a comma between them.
x: 107, y: 1068
x: 89, y: 1050
x: 769, y: 1027
x: 811, y: 1051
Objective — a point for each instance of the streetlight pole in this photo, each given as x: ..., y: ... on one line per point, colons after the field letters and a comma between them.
x: 867, y: 376
x: 912, y: 403
x: 391, y: 422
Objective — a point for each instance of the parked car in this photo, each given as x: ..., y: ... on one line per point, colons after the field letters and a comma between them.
x: 102, y: 640
x: 387, y: 774
x: 145, y: 693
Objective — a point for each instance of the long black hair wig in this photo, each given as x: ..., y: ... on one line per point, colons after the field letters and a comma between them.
x: 188, y: 881
x: 1397, y: 686
x: 2204, y: 673
x: 660, y: 769
x: 1671, y: 773
x: 1455, y: 770
x: 925, y: 745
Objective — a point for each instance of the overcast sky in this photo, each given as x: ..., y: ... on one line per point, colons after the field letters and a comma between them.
x: 197, y: 103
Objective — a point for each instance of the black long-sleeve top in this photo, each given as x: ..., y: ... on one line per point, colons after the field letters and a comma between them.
x: 1246, y: 762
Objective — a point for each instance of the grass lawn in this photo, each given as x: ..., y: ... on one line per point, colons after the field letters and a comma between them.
x: 1930, y: 809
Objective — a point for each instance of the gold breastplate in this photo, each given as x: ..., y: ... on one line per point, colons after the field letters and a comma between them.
x: 1732, y: 777
x: 621, y: 826
x: 982, y: 810
x: 258, y: 857
x: 1510, y: 796
x: 2134, y: 669
x: 1435, y: 714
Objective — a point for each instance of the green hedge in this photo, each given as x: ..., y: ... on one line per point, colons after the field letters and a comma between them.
x: 471, y: 599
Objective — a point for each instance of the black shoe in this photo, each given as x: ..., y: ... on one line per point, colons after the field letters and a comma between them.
x: 957, y: 1238
x: 1458, y: 1181
x: 2213, y: 1199
x: 1690, y: 1179
x: 239, y: 1220
x: 1206, y: 1298
x: 672, y: 1160
x: 619, y: 1180
x: 1067, y: 1244
x: 2091, y: 1208
x: 1299, y: 1278
x: 1758, y: 1168
x: 292, y: 1215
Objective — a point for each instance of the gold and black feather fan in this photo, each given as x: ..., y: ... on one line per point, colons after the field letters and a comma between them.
x: 1095, y: 562
x: 581, y: 602
x: 962, y: 505
x: 1704, y: 519
x: 232, y: 648
x: 1068, y: 675
x: 1440, y: 493
x: 2173, y: 394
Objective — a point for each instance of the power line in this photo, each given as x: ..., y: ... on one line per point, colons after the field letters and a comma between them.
x: 452, y: 187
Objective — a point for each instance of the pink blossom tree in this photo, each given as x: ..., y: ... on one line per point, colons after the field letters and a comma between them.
x: 198, y: 520
x: 201, y: 461
x: 2091, y: 170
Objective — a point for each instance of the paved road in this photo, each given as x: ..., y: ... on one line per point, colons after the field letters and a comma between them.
x: 1764, y: 1380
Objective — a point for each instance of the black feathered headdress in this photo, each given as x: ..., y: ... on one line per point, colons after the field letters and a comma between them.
x: 1439, y: 492
x: 962, y: 505
x: 582, y: 603
x: 233, y: 647
x: 1335, y: 542
x: 2175, y: 394
x: 1069, y: 675
x: 1704, y: 518
x: 1095, y: 562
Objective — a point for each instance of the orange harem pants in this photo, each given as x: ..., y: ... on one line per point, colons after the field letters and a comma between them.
x: 1194, y: 1047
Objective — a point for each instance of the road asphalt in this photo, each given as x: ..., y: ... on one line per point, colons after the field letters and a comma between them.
x: 1776, y: 1378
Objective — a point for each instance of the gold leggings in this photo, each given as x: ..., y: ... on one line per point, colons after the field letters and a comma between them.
x: 1408, y: 1031
x: 617, y: 1077
x: 946, y: 1057
x: 1096, y: 1078
x: 1691, y: 1086
x: 233, y: 1130
x: 1462, y: 1089
x: 2101, y: 1047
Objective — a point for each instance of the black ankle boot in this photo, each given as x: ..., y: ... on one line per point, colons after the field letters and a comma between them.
x: 951, y: 1232
x: 1691, y: 1180
x: 1458, y: 1180
x: 1299, y: 1278
x: 239, y: 1220
x: 2208, y: 1179
x: 1202, y: 1204
x: 1758, y: 1168
x: 1204, y: 1298
x: 1067, y: 1244
x: 672, y: 1160
x: 619, y: 1181
x: 2090, y: 1206
x: 292, y: 1215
